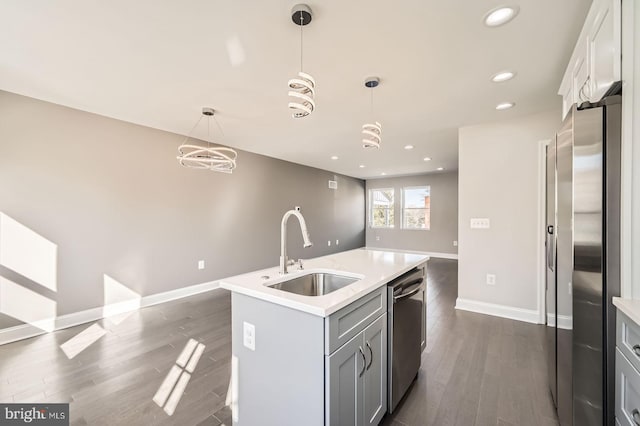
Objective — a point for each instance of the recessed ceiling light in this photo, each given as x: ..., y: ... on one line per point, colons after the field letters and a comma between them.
x: 440, y: 168
x: 505, y: 105
x: 408, y: 147
x: 361, y: 166
x: 334, y: 157
x: 383, y: 174
x: 500, y: 16
x: 503, y: 76
x: 427, y: 158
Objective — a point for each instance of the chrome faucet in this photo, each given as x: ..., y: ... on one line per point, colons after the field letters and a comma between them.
x: 284, y: 260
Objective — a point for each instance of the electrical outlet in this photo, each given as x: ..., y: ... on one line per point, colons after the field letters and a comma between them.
x: 329, y: 243
x: 249, y: 335
x: 455, y: 243
x: 480, y: 223
x: 377, y: 238
x: 201, y: 264
x: 491, y: 279
x: 337, y: 242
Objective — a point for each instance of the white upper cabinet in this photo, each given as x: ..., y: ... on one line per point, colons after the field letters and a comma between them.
x: 604, y: 48
x: 596, y: 60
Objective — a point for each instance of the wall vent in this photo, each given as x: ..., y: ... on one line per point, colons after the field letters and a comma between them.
x: 333, y: 184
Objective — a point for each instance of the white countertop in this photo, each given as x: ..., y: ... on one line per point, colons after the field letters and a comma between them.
x: 376, y: 267
x: 629, y: 307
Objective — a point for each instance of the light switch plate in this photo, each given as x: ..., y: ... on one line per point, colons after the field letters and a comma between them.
x: 491, y: 279
x: 337, y: 242
x: 249, y: 335
x: 455, y: 243
x: 201, y: 264
x: 480, y: 223
x: 329, y: 243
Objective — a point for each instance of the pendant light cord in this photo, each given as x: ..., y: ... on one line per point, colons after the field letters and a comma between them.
x: 301, y: 39
x: 209, y: 131
x: 372, y: 103
x: 219, y: 126
x: 192, y: 129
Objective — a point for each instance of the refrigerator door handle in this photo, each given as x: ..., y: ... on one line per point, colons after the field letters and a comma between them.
x: 550, y: 248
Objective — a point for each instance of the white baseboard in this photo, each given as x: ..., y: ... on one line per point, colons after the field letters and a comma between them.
x: 565, y: 322
x: 426, y: 253
x: 25, y: 331
x: 519, y: 314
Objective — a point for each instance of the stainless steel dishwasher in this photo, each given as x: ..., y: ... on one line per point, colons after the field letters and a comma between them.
x: 406, y: 322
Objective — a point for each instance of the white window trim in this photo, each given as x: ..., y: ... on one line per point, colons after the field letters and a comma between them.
x: 402, y: 224
x: 370, y: 209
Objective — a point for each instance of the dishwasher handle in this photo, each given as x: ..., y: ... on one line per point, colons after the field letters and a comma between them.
x: 405, y: 295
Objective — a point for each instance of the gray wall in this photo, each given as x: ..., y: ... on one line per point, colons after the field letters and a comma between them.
x: 114, y: 200
x: 501, y: 171
x: 444, y: 215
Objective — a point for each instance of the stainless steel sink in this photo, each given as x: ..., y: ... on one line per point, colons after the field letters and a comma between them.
x: 314, y: 284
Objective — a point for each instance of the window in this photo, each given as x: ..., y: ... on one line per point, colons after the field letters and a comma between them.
x: 416, y: 207
x: 381, y: 208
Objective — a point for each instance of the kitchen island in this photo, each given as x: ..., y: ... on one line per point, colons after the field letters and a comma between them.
x: 314, y: 360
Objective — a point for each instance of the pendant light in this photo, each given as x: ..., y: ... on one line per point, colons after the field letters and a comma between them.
x: 371, y: 132
x: 215, y: 158
x: 303, y: 86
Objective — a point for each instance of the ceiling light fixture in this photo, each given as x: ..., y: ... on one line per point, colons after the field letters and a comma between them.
x: 500, y: 16
x: 408, y: 147
x: 334, y: 157
x: 503, y: 76
x: 361, y: 166
x: 215, y: 158
x: 303, y: 87
x: 505, y: 105
x: 427, y: 158
x: 440, y: 169
x: 383, y: 173
x: 371, y: 132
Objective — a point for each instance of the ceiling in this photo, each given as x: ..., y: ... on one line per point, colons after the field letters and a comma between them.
x: 157, y: 63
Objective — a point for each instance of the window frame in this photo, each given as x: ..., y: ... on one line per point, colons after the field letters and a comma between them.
x: 392, y: 208
x: 403, y: 225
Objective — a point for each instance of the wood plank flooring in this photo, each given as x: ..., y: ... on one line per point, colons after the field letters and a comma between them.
x: 477, y: 369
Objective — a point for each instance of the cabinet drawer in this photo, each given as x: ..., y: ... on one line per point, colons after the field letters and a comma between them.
x: 343, y: 325
x: 628, y: 338
x: 627, y: 391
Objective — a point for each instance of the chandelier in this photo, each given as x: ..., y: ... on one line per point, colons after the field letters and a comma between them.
x: 215, y: 158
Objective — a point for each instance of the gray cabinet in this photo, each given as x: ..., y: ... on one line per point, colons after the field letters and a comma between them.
x: 356, y: 388
x: 310, y: 370
x: 375, y: 376
x: 344, y: 385
x: 627, y: 374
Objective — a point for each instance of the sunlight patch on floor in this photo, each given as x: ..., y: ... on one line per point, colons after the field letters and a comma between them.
x: 174, y: 384
x: 82, y: 340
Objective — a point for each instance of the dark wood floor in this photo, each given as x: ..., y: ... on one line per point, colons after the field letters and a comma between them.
x: 477, y: 369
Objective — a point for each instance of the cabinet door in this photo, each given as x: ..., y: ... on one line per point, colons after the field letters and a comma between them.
x: 604, y: 49
x: 375, y: 377
x: 344, y: 388
x: 568, y: 99
x: 581, y: 74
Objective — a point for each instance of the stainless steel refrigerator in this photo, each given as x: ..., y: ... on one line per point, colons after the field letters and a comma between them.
x: 583, y: 261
